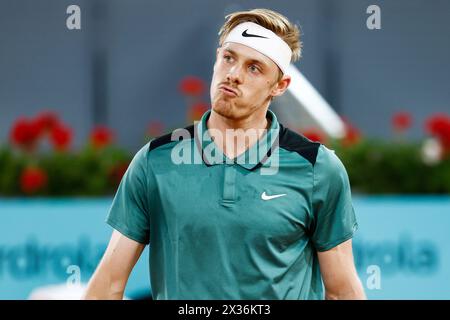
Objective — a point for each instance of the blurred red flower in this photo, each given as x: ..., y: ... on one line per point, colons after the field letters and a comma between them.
x: 401, y: 121
x: 101, y: 137
x: 352, y: 134
x: 438, y: 125
x: 155, y: 128
x: 46, y: 120
x: 192, y: 86
x: 197, y: 110
x: 61, y: 136
x: 314, y: 135
x: 32, y: 180
x: 25, y: 133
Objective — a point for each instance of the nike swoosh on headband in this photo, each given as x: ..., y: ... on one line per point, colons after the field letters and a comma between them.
x: 247, y: 35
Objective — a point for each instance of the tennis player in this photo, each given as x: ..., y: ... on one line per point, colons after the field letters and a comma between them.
x: 266, y: 215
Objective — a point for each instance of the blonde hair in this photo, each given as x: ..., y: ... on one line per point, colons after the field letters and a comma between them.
x: 268, y: 19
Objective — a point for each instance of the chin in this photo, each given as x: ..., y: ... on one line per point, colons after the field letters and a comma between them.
x: 226, y: 110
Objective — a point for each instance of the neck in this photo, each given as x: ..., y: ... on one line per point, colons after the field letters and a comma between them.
x: 223, y: 126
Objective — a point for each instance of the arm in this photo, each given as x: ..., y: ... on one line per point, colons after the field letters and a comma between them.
x: 339, y: 274
x: 109, y: 279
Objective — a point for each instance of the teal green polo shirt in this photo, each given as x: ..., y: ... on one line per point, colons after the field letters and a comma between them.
x: 244, y: 228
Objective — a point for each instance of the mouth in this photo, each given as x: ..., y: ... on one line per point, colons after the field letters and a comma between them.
x: 228, y: 91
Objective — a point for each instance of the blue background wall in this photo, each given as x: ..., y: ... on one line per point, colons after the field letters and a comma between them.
x: 407, y: 238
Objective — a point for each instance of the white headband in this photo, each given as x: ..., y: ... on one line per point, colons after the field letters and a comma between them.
x: 263, y: 40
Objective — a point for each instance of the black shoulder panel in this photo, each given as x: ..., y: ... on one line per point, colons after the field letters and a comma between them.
x: 167, y: 138
x: 293, y: 141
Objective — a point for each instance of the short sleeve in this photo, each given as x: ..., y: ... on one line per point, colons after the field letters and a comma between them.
x: 129, y: 212
x: 334, y: 219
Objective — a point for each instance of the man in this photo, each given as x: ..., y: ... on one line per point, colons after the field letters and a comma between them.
x: 226, y: 226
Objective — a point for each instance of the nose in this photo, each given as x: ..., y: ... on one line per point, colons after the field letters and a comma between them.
x: 234, y: 74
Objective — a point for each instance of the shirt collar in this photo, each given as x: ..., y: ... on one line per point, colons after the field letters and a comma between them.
x: 252, y: 158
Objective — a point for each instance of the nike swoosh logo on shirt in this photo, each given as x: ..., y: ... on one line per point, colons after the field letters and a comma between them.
x: 245, y: 34
x: 264, y: 196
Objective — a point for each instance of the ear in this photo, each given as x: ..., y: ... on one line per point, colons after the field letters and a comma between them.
x: 281, y: 86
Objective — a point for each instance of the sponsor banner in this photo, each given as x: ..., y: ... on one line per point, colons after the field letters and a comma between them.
x: 401, y: 247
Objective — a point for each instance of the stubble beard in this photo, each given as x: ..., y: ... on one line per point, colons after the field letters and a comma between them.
x: 229, y: 109
x: 225, y: 109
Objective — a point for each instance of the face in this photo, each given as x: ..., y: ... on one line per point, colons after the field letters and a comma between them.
x: 243, y: 82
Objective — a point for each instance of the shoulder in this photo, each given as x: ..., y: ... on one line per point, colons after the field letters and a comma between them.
x: 175, y: 135
x: 138, y: 164
x: 328, y: 162
x: 292, y: 141
x: 324, y: 160
x: 329, y: 171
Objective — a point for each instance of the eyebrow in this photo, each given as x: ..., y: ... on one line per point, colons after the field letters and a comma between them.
x: 262, y: 64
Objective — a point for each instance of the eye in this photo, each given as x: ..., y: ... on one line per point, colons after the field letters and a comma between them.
x: 227, y: 58
x: 254, y: 69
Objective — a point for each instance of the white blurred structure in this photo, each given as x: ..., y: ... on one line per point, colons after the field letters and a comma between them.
x: 302, y: 106
x: 60, y: 292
